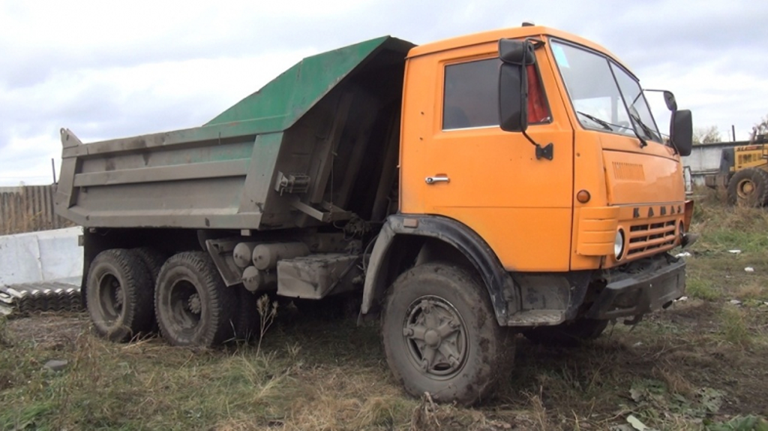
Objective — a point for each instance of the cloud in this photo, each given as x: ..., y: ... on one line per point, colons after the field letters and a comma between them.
x: 114, y: 69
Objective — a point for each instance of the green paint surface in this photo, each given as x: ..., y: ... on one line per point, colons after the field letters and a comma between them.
x: 286, y: 98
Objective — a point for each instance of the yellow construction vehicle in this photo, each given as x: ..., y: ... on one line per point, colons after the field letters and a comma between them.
x: 744, y: 172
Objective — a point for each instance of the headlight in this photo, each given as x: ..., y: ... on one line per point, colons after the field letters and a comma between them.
x: 618, y: 244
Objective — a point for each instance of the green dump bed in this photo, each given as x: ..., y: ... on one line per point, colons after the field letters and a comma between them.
x: 317, y: 144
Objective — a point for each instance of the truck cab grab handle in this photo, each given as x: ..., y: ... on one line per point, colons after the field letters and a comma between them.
x: 437, y: 179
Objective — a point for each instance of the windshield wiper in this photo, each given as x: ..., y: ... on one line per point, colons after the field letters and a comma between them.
x: 606, y: 125
x: 648, y: 131
x: 638, y: 122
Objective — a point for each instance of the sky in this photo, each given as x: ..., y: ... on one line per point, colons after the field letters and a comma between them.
x: 108, y: 69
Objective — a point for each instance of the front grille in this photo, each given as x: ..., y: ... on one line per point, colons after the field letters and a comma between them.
x: 644, y: 238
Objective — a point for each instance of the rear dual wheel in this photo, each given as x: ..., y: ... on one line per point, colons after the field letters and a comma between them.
x: 190, y: 305
x: 193, y: 306
x: 153, y: 260
x: 119, y: 295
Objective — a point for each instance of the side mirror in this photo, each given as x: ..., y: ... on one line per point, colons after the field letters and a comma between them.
x: 513, y: 98
x: 513, y: 84
x: 681, y: 131
x: 669, y: 99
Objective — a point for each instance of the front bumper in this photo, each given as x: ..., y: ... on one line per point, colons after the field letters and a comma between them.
x: 645, y: 289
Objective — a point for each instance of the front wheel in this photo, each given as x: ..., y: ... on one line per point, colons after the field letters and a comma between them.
x: 441, y: 336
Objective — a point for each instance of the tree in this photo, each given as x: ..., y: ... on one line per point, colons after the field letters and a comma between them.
x: 760, y: 128
x: 706, y: 135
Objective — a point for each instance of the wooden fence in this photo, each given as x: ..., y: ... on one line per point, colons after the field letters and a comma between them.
x: 28, y: 209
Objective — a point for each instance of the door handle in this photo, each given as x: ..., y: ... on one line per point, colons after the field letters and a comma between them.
x: 437, y: 179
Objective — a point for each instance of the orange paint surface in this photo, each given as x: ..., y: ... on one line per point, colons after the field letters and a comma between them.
x: 525, y: 208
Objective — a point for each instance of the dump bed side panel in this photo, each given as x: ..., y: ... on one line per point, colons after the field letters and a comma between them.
x: 186, y: 184
x: 331, y: 133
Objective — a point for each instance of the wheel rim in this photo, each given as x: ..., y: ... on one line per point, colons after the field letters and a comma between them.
x: 436, y: 337
x: 111, y: 297
x: 184, y: 305
x: 745, y: 188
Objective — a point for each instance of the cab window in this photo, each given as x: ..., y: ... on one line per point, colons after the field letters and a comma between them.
x: 471, y: 95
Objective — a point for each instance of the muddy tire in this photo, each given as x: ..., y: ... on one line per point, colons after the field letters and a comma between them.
x: 192, y: 305
x: 567, y: 334
x: 153, y: 260
x: 440, y: 335
x: 748, y: 187
x: 119, y: 295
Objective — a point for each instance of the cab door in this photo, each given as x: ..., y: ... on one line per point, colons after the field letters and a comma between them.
x: 456, y: 161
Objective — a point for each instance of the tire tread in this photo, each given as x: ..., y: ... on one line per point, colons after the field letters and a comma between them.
x: 222, y: 301
x: 137, y: 315
x: 500, y: 341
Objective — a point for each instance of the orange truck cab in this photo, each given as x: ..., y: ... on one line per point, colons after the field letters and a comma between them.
x: 531, y: 157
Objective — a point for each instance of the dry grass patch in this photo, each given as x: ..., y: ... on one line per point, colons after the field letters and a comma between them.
x: 734, y: 327
x: 752, y: 290
x: 674, y: 380
x: 345, y: 397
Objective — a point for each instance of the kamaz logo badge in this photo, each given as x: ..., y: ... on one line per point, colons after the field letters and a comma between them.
x: 662, y: 211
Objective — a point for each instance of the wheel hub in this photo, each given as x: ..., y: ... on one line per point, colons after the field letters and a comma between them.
x: 436, y: 337
x: 110, y: 298
x: 118, y: 294
x: 746, y: 188
x: 194, y: 303
x: 184, y: 305
x: 432, y: 338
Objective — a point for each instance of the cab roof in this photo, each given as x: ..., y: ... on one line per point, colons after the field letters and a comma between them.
x: 508, y: 33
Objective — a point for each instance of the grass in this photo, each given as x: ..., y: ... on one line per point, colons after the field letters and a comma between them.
x: 702, y: 289
x: 698, y: 365
x: 3, y: 332
x: 734, y: 328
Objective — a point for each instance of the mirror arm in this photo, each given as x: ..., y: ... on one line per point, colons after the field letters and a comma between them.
x: 537, y: 43
x: 669, y: 98
x: 545, y: 152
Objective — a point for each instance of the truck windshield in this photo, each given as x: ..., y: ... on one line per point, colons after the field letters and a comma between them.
x: 605, y: 96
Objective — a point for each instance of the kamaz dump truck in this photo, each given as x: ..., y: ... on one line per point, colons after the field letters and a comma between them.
x: 471, y: 189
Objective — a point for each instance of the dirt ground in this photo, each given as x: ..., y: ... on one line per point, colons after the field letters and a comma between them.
x: 50, y: 331
x: 676, y: 370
